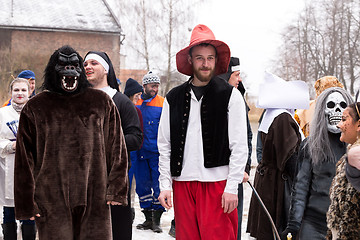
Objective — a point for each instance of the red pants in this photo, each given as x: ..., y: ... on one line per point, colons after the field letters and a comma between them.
x: 198, y: 212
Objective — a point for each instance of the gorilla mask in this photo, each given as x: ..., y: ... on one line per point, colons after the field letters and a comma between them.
x: 68, y: 67
x: 65, y: 73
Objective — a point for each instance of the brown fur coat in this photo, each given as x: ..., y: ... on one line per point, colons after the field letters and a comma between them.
x: 70, y: 152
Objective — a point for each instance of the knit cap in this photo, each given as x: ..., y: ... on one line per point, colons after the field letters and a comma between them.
x: 132, y: 87
x: 27, y: 74
x: 150, y: 77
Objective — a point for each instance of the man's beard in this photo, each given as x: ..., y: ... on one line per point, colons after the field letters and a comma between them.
x: 202, y: 78
x: 150, y: 92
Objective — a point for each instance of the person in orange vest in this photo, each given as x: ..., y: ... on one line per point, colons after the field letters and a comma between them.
x: 147, y: 165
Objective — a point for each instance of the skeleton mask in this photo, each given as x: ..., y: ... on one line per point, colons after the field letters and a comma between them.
x: 335, y: 106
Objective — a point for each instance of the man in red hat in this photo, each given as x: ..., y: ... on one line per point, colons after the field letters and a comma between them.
x: 202, y: 142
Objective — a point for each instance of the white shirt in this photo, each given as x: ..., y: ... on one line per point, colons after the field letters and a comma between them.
x: 193, y: 162
x: 110, y: 91
x: 271, y: 114
x: 7, y: 160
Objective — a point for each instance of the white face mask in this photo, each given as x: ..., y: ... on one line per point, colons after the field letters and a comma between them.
x: 20, y: 93
x: 335, y: 106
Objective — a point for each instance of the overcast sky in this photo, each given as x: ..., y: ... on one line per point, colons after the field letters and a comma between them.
x: 252, y: 30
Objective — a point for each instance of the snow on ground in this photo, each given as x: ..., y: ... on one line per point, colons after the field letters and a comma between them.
x: 168, y: 216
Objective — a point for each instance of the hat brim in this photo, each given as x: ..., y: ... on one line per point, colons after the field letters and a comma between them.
x: 223, y: 55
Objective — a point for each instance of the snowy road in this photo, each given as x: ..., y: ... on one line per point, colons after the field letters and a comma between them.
x: 168, y: 216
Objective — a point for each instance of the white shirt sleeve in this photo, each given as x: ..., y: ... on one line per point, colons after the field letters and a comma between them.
x: 5, y: 144
x: 237, y: 128
x: 164, y: 147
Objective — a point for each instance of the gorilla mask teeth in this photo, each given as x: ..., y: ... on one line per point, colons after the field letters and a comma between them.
x: 69, y: 84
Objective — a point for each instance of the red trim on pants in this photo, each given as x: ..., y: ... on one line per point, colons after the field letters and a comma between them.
x: 198, y: 212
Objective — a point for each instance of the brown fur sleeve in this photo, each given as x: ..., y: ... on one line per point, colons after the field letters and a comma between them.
x: 24, y: 184
x: 117, y: 159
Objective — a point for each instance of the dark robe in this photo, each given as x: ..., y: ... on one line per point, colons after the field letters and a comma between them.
x: 279, y: 145
x: 70, y: 160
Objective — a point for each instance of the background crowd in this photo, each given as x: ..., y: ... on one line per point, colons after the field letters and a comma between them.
x: 78, y: 155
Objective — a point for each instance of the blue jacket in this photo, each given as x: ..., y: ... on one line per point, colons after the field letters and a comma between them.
x: 151, y: 112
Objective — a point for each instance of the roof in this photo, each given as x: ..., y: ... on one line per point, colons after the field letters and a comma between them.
x: 55, y: 15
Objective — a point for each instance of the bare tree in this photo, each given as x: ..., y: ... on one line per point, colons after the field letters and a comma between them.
x: 323, y: 41
x: 177, y: 15
x: 155, y: 31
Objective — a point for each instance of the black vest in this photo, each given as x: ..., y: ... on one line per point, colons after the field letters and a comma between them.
x: 214, y: 123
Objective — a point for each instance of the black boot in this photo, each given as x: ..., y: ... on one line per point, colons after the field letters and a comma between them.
x: 156, y: 221
x: 172, y: 229
x: 9, y: 231
x: 148, y: 220
x: 28, y: 232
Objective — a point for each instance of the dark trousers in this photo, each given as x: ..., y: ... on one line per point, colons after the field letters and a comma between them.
x: 147, y: 180
x: 312, y: 230
x: 9, y: 216
x: 240, y: 209
x: 121, y: 221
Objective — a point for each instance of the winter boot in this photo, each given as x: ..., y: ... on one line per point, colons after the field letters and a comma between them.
x: 28, y: 232
x: 9, y: 231
x: 172, y: 229
x: 148, y: 220
x: 156, y: 221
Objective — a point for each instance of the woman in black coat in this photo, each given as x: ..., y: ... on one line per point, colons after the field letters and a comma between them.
x: 317, y: 160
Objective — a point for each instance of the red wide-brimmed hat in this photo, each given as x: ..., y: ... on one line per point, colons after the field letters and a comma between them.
x: 203, y: 34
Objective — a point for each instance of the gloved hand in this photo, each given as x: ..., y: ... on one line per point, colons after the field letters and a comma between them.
x: 293, y: 232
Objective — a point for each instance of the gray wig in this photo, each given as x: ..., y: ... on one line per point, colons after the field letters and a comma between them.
x: 318, y: 141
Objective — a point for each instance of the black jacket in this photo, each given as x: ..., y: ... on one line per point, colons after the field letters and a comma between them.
x: 310, y: 198
x: 130, y: 122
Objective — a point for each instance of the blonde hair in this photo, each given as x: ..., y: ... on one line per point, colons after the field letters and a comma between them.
x: 16, y: 80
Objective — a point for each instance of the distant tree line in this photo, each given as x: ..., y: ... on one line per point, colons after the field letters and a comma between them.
x: 324, y: 40
x: 154, y: 32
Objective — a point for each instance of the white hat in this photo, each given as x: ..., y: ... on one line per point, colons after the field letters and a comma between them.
x: 150, y: 77
x: 275, y: 92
